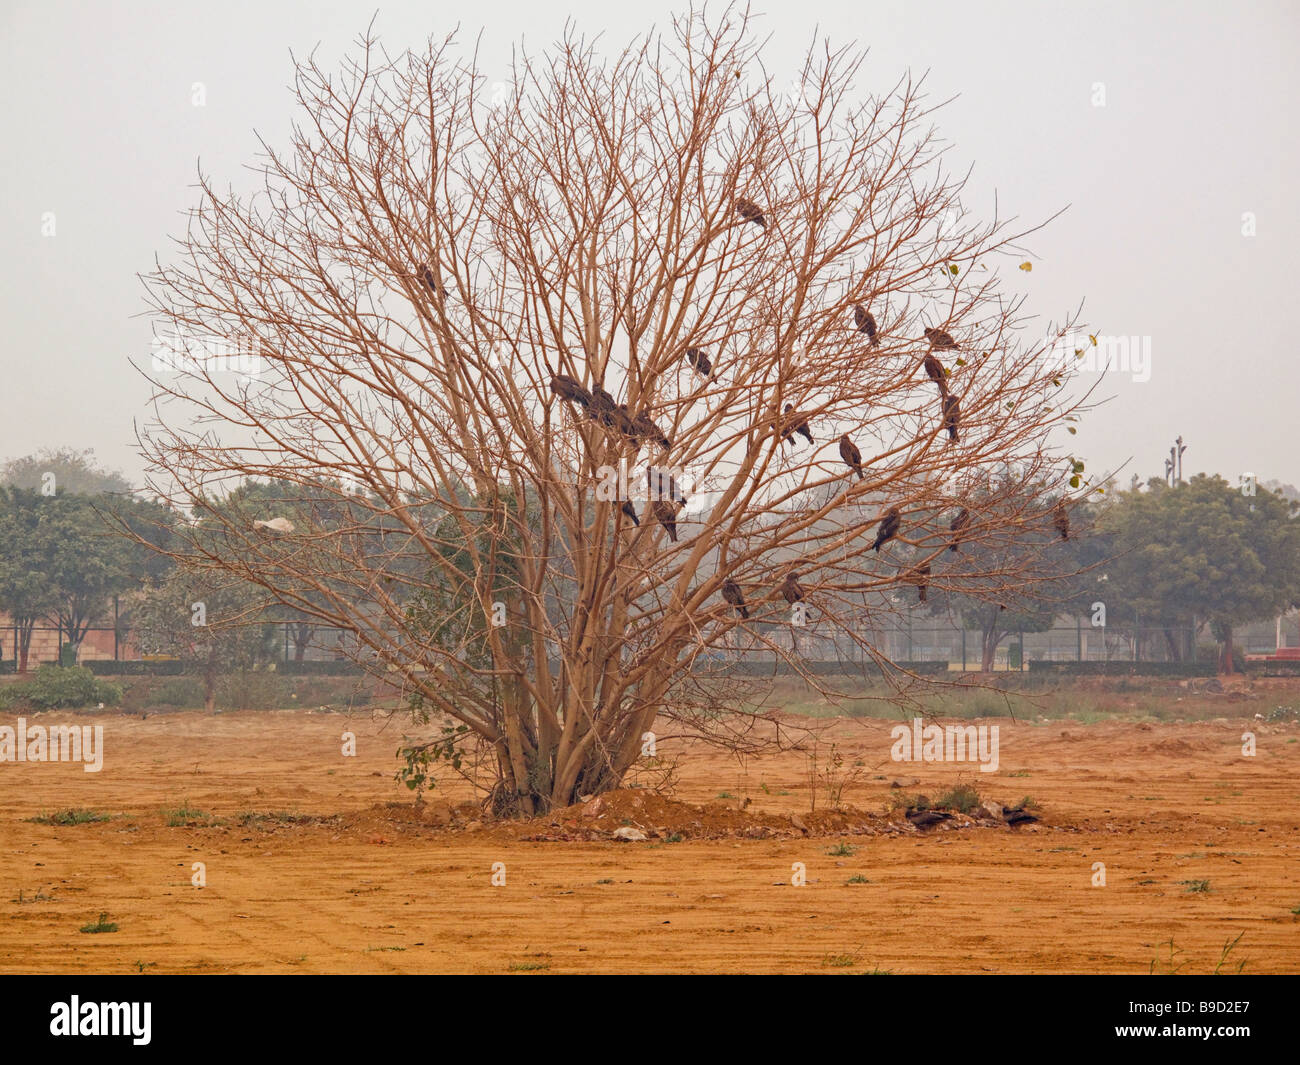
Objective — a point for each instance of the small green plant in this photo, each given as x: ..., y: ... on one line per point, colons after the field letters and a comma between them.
x: 529, y: 966
x: 963, y: 798
x: 839, y: 961
x: 102, y: 925
x: 605, y: 880
x: 674, y: 837
x: 857, y: 879
x: 141, y: 966
x: 184, y: 815
x: 1228, y: 947
x: 70, y: 816
x: 842, y: 850
x: 1197, y: 887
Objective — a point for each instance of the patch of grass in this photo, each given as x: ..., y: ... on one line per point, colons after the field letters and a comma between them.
x: 1197, y: 887
x: 877, y: 972
x: 1296, y: 911
x: 102, y: 925
x: 839, y: 961
x: 726, y: 795
x: 528, y: 966
x: 1019, y: 773
x: 606, y: 880
x: 185, y: 814
x: 674, y: 837
x: 857, y: 879
x: 842, y: 850
x: 71, y: 816
x: 381, y: 950
x: 40, y: 896
x: 141, y: 966
x: 963, y: 798
x: 1027, y: 803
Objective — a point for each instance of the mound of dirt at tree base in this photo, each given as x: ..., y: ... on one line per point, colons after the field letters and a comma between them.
x: 635, y: 815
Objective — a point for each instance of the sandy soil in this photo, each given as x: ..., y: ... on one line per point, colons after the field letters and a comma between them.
x: 359, y: 886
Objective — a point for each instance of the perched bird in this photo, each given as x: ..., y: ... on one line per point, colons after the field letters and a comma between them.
x: 951, y: 415
x: 647, y: 430
x: 568, y: 388
x: 628, y: 509
x: 279, y: 526
x: 851, y: 455
x: 666, y: 514
x: 934, y: 369
x: 801, y: 428
x: 661, y: 482
x: 1017, y: 815
x: 866, y: 323
x: 624, y: 424
x: 602, y: 406
x: 699, y: 361
x: 889, y: 526
x: 791, y: 588
x: 431, y: 282
x: 959, y: 526
x: 1061, y: 519
x: 750, y: 212
x: 925, y: 818
x: 732, y: 594
x: 939, y: 339
x: 920, y: 577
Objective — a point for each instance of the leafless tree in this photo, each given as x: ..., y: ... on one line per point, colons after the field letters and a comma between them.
x: 436, y: 262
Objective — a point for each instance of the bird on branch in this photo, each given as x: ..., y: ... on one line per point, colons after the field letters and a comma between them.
x: 934, y: 369
x: 952, y: 416
x: 568, y: 388
x: 1061, y: 519
x: 278, y: 526
x: 666, y: 514
x: 628, y: 509
x: 866, y: 323
x: 699, y: 361
x: 732, y: 594
x: 647, y: 430
x: 919, y: 576
x: 959, y: 526
x: 851, y: 455
x: 939, y: 339
x: 750, y: 212
x: 797, y: 424
x: 889, y: 526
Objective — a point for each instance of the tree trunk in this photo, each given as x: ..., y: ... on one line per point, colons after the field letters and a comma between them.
x: 1226, y: 664
x: 301, y: 635
x: 1175, y: 652
x: 991, y: 638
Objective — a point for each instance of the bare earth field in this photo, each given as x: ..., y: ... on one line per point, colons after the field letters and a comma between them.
x: 1201, y: 845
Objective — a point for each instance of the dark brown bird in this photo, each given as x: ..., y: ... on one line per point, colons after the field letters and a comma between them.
x: 952, y: 416
x: 866, y: 323
x: 647, y: 430
x: 431, y: 282
x: 732, y: 594
x: 567, y: 388
x: 927, y: 818
x: 1061, y: 519
x: 791, y: 588
x: 750, y: 211
x: 1017, y: 815
x: 699, y: 361
x: 624, y: 424
x: 802, y: 428
x: 920, y: 577
x: 851, y: 455
x: 666, y: 514
x: 939, y: 339
x: 959, y: 526
x: 934, y: 369
x: 889, y: 526
x: 661, y: 482
x: 628, y: 509
x: 602, y: 406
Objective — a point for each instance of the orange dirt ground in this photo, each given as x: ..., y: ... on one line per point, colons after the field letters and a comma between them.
x: 360, y: 886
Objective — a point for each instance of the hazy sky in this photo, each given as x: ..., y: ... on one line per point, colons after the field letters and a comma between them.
x: 1195, y: 131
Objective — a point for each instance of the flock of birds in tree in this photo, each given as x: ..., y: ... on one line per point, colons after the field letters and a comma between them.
x: 640, y: 429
